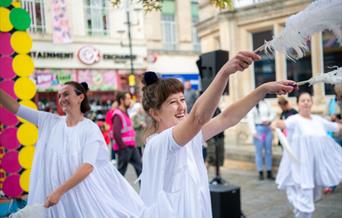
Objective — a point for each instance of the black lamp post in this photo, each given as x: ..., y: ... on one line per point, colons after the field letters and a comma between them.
x: 130, y: 46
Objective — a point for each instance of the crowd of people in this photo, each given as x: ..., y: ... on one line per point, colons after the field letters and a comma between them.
x: 73, y: 176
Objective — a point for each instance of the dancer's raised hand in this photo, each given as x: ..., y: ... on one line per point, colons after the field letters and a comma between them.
x: 240, y: 62
x: 280, y: 87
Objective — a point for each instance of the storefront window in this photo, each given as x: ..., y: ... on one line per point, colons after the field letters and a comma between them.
x: 264, y: 70
x: 37, y: 15
x: 332, y: 56
x: 300, y: 70
x: 97, y: 17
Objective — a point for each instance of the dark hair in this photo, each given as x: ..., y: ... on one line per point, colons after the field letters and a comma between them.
x: 302, y: 93
x: 121, y: 96
x: 81, y: 88
x: 156, y: 91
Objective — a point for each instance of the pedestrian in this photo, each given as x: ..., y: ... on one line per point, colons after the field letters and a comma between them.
x: 286, y: 109
x: 189, y: 94
x: 109, y: 122
x: 71, y: 173
x: 335, y: 111
x: 174, y: 177
x: 259, y: 121
x: 139, y: 123
x: 124, y: 136
x: 319, y: 157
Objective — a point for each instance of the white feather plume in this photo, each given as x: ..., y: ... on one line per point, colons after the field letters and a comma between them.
x: 286, y: 145
x: 318, y: 16
x: 32, y: 211
x: 332, y: 77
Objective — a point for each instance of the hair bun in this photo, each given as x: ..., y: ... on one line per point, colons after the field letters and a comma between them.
x: 150, y: 77
x: 85, y: 86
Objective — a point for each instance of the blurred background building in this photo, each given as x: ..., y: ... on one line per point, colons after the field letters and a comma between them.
x: 87, y: 40
x: 245, y: 28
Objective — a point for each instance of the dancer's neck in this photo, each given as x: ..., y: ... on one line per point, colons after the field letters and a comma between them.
x: 72, y: 119
x: 306, y: 115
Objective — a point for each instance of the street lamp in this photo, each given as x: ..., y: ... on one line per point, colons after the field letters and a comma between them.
x: 128, y: 8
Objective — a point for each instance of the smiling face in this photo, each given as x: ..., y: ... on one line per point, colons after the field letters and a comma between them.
x: 68, y: 99
x: 304, y: 104
x: 171, y: 112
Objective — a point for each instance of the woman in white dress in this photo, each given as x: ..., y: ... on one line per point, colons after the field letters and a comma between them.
x: 319, y: 157
x: 71, y: 173
x: 174, y: 179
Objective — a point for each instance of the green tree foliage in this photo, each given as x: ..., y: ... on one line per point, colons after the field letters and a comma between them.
x: 150, y: 5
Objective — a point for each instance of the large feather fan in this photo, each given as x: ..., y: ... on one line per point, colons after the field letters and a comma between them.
x: 332, y: 77
x: 318, y: 16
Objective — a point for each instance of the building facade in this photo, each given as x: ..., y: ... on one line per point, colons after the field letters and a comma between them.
x: 172, y: 41
x: 245, y: 28
x: 89, y: 40
x: 85, y: 40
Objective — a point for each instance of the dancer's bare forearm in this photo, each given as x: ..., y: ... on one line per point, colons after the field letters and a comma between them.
x: 8, y: 102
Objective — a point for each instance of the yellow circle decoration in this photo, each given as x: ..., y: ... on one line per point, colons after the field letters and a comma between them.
x: 24, y: 88
x: 29, y: 104
x: 16, y: 4
x: 21, y: 42
x: 23, y: 65
x: 5, y: 23
x: 26, y: 157
x: 27, y: 134
x: 25, y: 180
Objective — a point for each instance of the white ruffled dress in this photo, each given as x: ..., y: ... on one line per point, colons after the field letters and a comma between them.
x: 320, y: 157
x: 174, y: 180
x: 60, y: 151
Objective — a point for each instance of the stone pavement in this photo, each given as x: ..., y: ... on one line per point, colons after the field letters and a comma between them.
x: 262, y: 199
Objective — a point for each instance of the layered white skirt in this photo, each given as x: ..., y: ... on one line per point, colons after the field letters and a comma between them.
x: 104, y: 193
x: 320, y: 163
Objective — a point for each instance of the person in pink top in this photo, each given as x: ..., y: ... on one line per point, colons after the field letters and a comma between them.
x: 124, y: 136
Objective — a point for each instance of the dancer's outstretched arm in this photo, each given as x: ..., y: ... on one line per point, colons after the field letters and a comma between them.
x: 206, y: 104
x: 81, y: 173
x: 8, y: 102
x: 234, y: 113
x: 13, y: 106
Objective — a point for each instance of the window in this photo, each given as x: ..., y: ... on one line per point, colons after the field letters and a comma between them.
x: 169, y: 32
x: 168, y: 25
x: 332, y: 56
x: 97, y: 17
x: 264, y: 70
x: 194, y: 16
x: 300, y: 70
x: 37, y: 15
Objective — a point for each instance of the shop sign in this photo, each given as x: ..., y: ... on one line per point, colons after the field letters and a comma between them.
x: 99, y: 79
x: 118, y: 58
x: 193, y: 78
x: 88, y: 55
x: 51, y: 55
x: 49, y: 80
x: 63, y: 77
